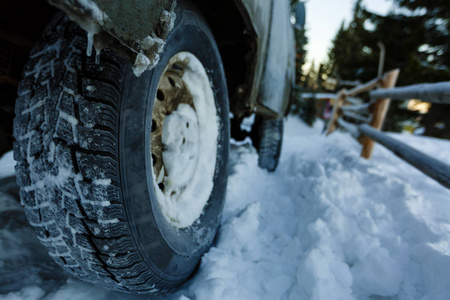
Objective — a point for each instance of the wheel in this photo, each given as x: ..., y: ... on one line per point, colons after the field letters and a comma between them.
x: 269, y: 138
x: 124, y: 177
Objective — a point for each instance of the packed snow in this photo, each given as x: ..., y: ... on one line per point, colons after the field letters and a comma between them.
x: 326, y: 225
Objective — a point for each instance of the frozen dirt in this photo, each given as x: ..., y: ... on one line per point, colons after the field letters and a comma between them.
x: 326, y: 225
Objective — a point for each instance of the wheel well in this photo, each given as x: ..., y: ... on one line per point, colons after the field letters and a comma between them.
x: 237, y: 46
x: 235, y: 39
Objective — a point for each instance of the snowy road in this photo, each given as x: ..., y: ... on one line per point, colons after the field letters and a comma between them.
x: 326, y: 225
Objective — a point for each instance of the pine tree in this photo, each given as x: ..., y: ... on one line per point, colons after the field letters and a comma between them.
x: 349, y: 57
x: 435, y: 55
x: 437, y: 21
x: 304, y: 82
x: 300, y: 52
x: 355, y: 53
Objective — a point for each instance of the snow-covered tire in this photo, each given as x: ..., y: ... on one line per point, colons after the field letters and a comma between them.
x: 269, y: 141
x: 82, y: 131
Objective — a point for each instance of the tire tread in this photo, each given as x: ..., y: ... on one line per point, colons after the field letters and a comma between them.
x: 270, y: 140
x: 66, y: 131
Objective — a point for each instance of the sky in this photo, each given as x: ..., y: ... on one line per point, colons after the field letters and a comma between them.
x: 324, y: 18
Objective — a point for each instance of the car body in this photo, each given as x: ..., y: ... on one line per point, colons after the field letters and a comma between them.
x: 255, y: 39
x: 264, y: 34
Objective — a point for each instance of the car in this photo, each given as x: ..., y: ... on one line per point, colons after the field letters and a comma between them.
x: 123, y: 122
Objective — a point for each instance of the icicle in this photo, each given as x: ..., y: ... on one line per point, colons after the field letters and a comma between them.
x: 97, y: 55
x: 90, y: 43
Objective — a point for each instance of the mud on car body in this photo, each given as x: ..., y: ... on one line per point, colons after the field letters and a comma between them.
x: 123, y: 121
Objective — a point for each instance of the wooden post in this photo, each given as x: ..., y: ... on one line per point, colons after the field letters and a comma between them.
x: 338, y: 102
x: 379, y: 112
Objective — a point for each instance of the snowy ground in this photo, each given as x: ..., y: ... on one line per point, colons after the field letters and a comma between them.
x: 326, y: 225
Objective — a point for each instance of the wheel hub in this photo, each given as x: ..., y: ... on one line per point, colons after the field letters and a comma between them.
x: 171, y: 92
x: 183, y: 140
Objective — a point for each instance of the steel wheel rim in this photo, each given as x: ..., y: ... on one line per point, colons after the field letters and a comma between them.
x: 184, y: 131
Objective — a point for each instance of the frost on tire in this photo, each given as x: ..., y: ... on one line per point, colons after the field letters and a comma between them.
x: 66, y: 153
x: 75, y: 181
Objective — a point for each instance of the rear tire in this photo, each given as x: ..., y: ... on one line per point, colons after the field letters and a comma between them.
x: 82, y: 135
x: 269, y: 141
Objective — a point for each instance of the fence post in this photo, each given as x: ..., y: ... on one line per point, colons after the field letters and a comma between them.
x: 379, y: 113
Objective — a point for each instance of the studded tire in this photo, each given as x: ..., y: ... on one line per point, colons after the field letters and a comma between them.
x: 80, y: 131
x: 268, y: 142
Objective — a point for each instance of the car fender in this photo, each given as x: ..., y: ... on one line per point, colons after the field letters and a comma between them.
x: 136, y: 29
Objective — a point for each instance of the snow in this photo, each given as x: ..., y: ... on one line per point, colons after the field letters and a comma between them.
x: 7, y: 164
x: 190, y: 139
x: 180, y: 137
x: 141, y: 64
x: 247, y: 123
x: 93, y: 20
x: 168, y: 19
x: 326, y: 225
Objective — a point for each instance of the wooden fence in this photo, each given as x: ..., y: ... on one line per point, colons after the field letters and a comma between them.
x: 373, y: 113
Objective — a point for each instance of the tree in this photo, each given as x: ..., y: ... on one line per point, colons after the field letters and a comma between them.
x: 437, y: 20
x: 411, y: 42
x: 305, y: 109
x: 349, y: 58
x: 435, y: 54
x: 300, y: 52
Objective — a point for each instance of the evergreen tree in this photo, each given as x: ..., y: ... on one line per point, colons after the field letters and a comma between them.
x: 304, y: 82
x: 300, y: 51
x: 349, y: 57
x: 355, y: 53
x: 435, y: 54
x: 437, y: 20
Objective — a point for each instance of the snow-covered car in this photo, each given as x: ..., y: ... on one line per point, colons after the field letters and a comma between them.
x: 123, y: 121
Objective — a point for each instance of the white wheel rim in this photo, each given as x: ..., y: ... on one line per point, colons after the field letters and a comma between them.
x: 185, y: 131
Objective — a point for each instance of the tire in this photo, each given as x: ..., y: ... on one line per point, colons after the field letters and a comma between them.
x: 269, y: 140
x: 83, y: 133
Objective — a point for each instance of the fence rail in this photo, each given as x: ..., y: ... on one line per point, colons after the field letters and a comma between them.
x: 360, y: 109
x: 432, y: 167
x: 429, y: 92
x: 356, y: 116
x: 378, y: 106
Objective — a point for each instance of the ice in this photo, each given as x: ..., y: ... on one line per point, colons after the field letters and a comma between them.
x: 151, y: 41
x: 7, y: 164
x: 326, y: 225
x: 149, y: 48
x: 168, y: 18
x: 90, y: 43
x: 141, y: 64
x: 106, y: 222
x: 247, y: 123
x: 98, y: 52
x: 95, y: 12
x: 105, y: 182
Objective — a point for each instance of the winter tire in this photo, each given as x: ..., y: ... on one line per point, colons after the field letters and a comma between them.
x: 269, y: 139
x: 99, y: 161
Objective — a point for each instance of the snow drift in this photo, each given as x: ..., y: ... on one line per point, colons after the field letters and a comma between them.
x: 326, y: 225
